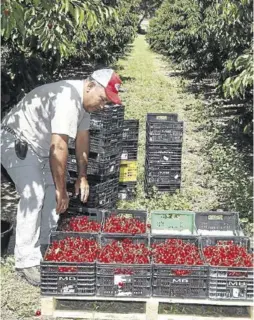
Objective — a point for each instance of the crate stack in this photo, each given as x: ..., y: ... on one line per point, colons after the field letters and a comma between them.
x: 128, y: 167
x: 164, y: 134
x: 106, y: 130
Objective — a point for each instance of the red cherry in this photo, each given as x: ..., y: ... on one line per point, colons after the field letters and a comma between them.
x: 38, y: 313
x: 120, y: 284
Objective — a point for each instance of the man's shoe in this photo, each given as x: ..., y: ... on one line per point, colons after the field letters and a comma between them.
x: 32, y: 275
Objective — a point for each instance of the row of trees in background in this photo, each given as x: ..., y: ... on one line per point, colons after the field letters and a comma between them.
x: 41, y: 36
x: 207, y: 36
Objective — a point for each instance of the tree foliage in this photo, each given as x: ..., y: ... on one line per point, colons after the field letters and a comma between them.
x: 208, y: 36
x: 38, y: 37
x: 147, y: 9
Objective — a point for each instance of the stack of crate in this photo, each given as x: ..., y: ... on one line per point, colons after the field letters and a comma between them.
x: 164, y: 134
x: 106, y: 130
x: 128, y: 167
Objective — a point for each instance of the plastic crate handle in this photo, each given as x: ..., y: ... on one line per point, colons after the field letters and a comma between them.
x: 161, y: 116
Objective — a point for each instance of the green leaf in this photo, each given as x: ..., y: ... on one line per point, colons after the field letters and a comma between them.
x: 66, y: 6
x: 81, y: 16
x: 76, y: 15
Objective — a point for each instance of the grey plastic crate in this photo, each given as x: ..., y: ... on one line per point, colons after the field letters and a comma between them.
x: 78, y: 213
x: 221, y: 222
x: 81, y: 281
x: 229, y: 283
x: 161, y: 117
x: 140, y: 215
x: 166, y: 282
x: 135, y: 279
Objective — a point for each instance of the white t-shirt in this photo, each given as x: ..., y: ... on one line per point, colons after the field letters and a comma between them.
x: 52, y: 108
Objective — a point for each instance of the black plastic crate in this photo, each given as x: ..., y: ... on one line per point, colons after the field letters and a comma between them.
x: 110, y: 149
x: 167, y: 132
x: 166, y: 281
x: 163, y: 176
x: 171, y: 189
x: 103, y: 139
x: 102, y: 152
x: 163, y: 186
x: 130, y: 130
x: 97, y: 166
x: 214, y: 221
x: 111, y: 118
x: 129, y: 150
x: 229, y: 283
x: 164, y: 149
x: 161, y: 117
x: 101, y: 195
x: 140, y: 215
x: 78, y: 213
x: 79, y: 279
x: 135, y: 279
x: 71, y: 145
x: 94, y: 179
x: 164, y: 162
x: 112, y: 166
x: 165, y: 154
x: 127, y: 190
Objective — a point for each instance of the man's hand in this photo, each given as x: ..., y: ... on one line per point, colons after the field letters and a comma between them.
x: 62, y: 201
x: 82, y: 185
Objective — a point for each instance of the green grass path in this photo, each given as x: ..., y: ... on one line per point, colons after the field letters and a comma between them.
x: 150, y: 87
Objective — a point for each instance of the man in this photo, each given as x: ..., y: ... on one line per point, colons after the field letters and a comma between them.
x: 34, y: 150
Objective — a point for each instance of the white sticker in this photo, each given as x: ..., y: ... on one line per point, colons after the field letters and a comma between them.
x: 236, y: 292
x: 68, y: 289
x: 122, y: 196
x: 124, y: 156
x: 121, y: 279
x: 73, y: 160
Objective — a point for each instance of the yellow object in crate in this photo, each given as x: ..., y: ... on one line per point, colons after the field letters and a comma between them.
x: 128, y: 170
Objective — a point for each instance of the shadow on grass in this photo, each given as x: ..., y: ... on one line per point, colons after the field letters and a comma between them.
x: 229, y: 147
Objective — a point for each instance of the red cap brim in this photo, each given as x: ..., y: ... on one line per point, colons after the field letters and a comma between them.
x: 112, y: 96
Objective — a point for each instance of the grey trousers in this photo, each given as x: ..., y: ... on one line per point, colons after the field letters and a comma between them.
x: 36, y: 213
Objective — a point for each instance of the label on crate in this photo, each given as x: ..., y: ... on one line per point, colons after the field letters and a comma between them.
x: 123, y: 281
x: 121, y: 278
x: 67, y: 284
x: 124, y: 156
x: 73, y: 160
x: 179, y: 280
x: 238, y: 293
x: 122, y: 196
x: 236, y: 283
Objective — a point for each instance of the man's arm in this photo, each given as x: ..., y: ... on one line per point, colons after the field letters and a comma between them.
x: 82, y: 152
x: 58, y: 160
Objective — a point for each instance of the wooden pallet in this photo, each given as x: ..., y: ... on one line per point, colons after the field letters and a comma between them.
x: 49, y: 308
